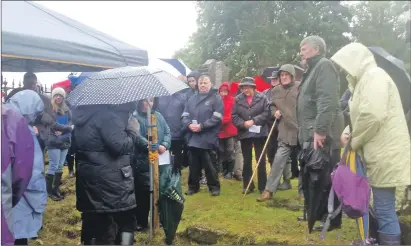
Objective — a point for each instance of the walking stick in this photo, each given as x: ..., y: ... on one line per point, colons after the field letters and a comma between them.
x: 154, y: 182
x: 261, y: 156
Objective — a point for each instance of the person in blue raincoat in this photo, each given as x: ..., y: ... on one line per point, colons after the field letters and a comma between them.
x: 28, y: 213
x: 141, y: 163
x: 201, y: 123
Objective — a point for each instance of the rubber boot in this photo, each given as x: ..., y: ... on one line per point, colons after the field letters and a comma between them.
x: 387, y: 239
x: 286, y: 185
x: 56, y: 185
x: 50, y: 190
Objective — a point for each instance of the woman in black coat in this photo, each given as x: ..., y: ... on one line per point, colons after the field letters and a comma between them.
x: 105, y: 184
x: 251, y: 114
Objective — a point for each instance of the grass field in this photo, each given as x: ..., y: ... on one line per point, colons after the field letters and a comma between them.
x: 227, y: 219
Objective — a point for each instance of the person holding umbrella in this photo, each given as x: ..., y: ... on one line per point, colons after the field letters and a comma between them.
x: 250, y: 115
x: 317, y: 104
x: 379, y: 133
x: 105, y: 139
x: 201, y: 123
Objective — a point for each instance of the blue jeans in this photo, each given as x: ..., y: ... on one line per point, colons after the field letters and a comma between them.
x: 384, y: 206
x: 56, y: 160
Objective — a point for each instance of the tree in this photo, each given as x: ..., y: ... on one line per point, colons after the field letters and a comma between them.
x: 382, y: 23
x: 251, y: 35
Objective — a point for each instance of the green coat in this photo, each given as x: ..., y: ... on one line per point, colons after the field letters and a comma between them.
x: 317, y: 101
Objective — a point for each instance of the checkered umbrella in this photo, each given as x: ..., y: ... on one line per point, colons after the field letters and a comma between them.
x: 124, y: 85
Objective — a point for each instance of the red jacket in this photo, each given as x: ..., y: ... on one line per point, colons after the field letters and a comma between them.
x: 227, y: 128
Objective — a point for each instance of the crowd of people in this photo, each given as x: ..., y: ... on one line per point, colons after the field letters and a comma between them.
x: 211, y: 132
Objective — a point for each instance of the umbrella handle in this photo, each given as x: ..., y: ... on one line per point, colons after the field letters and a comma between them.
x: 260, y: 158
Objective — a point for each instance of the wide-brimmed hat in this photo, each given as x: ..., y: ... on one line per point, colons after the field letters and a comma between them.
x: 274, y: 75
x: 247, y: 81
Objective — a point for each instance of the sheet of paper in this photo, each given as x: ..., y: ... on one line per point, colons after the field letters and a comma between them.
x: 164, y: 158
x: 255, y: 129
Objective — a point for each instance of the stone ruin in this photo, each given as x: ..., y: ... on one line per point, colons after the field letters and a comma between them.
x: 217, y: 70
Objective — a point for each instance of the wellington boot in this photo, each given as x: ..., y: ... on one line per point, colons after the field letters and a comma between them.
x: 56, y: 185
x: 50, y: 190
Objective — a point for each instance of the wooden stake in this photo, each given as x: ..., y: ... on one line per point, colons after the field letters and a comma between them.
x: 156, y: 186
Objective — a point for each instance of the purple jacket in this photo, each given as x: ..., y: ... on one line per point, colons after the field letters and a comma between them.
x: 17, y: 157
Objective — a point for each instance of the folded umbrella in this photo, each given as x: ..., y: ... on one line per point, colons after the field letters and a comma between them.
x: 124, y: 85
x: 396, y: 69
x: 171, y: 203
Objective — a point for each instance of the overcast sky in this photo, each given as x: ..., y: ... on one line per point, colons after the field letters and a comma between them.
x: 159, y: 27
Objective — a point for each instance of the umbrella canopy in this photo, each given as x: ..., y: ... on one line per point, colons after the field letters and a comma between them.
x: 396, y: 69
x: 78, y: 78
x: 179, y: 65
x: 37, y: 39
x: 158, y: 63
x: 124, y: 85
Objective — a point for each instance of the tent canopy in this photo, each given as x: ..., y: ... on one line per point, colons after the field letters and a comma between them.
x: 37, y: 39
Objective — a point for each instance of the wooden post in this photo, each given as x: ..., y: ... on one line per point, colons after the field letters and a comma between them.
x: 156, y: 186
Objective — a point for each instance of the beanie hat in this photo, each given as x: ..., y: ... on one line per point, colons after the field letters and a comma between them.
x: 58, y: 91
x: 247, y: 81
x: 288, y: 68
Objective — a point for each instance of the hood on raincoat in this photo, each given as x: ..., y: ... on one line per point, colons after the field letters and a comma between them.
x: 82, y: 114
x: 28, y: 103
x: 227, y: 85
x: 355, y: 59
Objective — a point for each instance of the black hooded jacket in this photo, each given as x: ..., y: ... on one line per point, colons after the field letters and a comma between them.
x: 104, y: 148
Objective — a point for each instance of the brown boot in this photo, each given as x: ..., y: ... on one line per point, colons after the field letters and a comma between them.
x: 265, y: 196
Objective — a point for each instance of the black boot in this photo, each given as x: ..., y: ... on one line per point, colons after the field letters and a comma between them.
x: 230, y: 167
x: 50, y: 190
x: 56, y: 185
x: 386, y: 239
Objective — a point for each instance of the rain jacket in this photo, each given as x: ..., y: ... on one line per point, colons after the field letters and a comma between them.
x: 317, y: 101
x: 208, y: 111
x: 16, y: 143
x: 104, y: 148
x: 28, y: 213
x: 171, y: 108
x: 258, y: 110
x: 141, y: 163
x: 379, y: 129
x: 228, y: 129
x: 63, y: 141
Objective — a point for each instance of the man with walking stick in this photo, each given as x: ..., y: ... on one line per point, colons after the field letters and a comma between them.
x: 317, y: 104
x: 284, y: 100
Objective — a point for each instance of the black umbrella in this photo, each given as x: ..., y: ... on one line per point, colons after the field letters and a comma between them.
x: 396, y: 69
x: 124, y: 85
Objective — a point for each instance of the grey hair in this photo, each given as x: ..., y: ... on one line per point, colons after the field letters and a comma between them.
x: 315, y: 42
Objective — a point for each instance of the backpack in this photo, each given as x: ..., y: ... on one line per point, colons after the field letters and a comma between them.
x: 352, y: 189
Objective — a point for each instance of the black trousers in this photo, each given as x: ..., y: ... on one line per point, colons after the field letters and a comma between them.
x: 247, y: 149
x: 179, y: 150
x: 272, y: 146
x: 143, y: 207
x: 106, y: 228
x: 71, y: 159
x: 199, y: 159
x: 294, y: 164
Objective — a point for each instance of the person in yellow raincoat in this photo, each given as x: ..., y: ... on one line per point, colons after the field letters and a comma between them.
x: 379, y: 133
